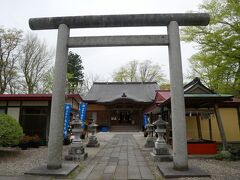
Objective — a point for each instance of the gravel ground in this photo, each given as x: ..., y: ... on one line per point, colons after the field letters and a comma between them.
x: 14, y: 161
x: 219, y: 170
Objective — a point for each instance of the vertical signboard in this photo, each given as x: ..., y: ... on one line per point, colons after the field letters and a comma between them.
x: 82, y: 112
x: 145, y: 121
x: 67, y: 111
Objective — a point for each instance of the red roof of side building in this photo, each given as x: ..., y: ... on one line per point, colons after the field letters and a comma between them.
x: 34, y: 97
x: 161, y: 96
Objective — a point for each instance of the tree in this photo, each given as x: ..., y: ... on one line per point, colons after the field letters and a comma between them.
x: 150, y: 72
x: 10, y: 40
x: 121, y: 75
x: 165, y: 86
x: 218, y: 61
x: 74, y: 72
x: 47, y: 81
x: 15, y: 86
x: 89, y: 79
x: 34, y: 61
x: 145, y: 71
x: 10, y: 131
x: 132, y: 70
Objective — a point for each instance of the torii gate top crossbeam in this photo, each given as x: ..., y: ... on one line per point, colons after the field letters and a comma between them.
x: 128, y: 20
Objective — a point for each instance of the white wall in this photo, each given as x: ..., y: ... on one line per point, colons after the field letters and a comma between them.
x: 14, y: 112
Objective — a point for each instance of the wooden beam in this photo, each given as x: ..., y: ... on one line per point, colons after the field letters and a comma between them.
x: 238, y: 112
x: 110, y: 41
x: 210, y: 128
x: 220, y: 127
x: 199, y: 126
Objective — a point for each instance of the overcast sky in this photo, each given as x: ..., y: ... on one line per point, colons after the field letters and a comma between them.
x: 102, y: 61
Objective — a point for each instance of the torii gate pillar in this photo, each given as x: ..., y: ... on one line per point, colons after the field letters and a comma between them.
x: 55, y: 144
x: 180, y: 159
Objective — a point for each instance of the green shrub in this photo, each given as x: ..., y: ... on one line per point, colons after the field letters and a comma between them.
x: 10, y: 131
x: 226, y: 155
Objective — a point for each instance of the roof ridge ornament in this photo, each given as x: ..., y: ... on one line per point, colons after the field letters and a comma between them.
x: 124, y: 95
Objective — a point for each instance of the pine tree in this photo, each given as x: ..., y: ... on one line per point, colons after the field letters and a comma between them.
x: 74, y: 72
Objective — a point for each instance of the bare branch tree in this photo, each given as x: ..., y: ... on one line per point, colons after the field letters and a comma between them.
x: 47, y: 82
x: 127, y: 73
x: 89, y: 79
x: 15, y: 86
x: 150, y: 72
x: 121, y: 75
x: 132, y: 70
x: 10, y: 40
x: 145, y: 71
x: 34, y: 62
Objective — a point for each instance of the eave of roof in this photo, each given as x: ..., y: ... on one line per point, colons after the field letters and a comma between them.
x: 208, y: 95
x: 200, y: 96
x: 34, y: 97
x: 30, y: 97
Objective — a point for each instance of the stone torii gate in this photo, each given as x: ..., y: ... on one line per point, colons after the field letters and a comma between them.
x: 172, y: 40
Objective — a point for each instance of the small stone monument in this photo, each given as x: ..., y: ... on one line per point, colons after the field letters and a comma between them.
x: 150, y: 139
x: 76, y: 151
x: 93, y: 141
x: 160, y: 150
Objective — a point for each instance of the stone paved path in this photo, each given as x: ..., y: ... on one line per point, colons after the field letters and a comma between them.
x: 119, y: 159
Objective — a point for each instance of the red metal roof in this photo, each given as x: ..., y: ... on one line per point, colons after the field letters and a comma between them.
x: 161, y: 96
x: 34, y: 97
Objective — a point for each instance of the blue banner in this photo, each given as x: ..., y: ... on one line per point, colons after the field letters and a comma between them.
x: 67, y: 111
x: 82, y: 112
x: 145, y: 121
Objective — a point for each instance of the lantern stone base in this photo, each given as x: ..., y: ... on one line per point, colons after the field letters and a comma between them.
x: 75, y: 157
x: 93, y: 142
x: 162, y: 158
x: 161, y: 152
x: 76, y: 152
x: 149, y: 142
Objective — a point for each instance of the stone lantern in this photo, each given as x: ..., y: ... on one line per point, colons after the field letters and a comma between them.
x: 150, y: 139
x: 160, y: 150
x: 76, y: 151
x: 93, y: 141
